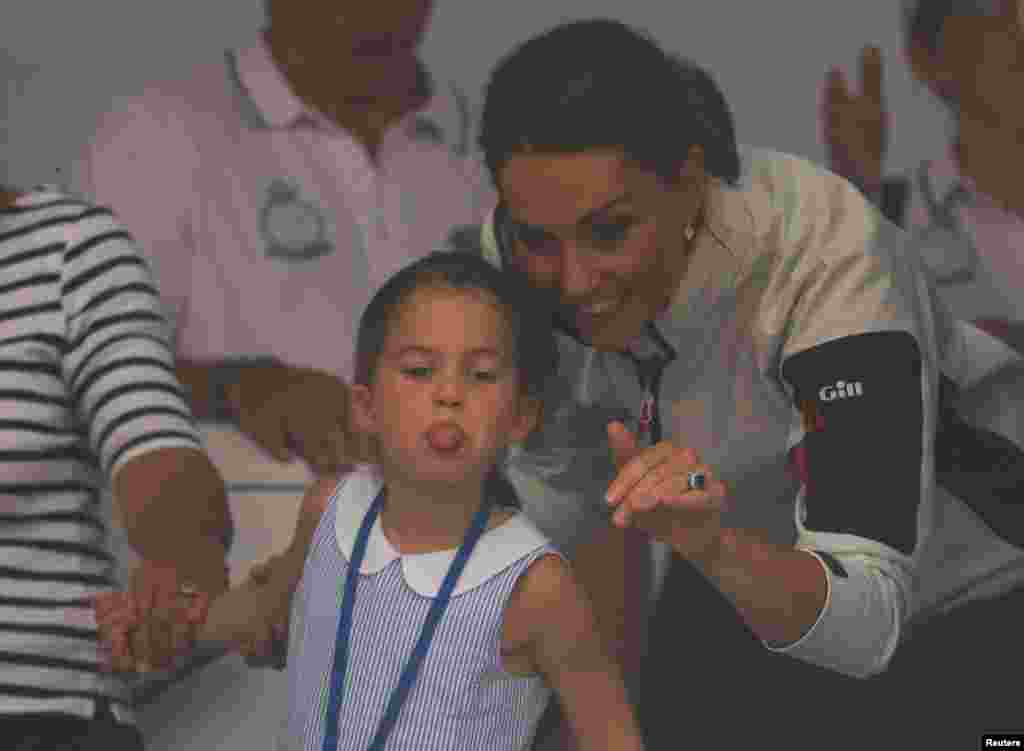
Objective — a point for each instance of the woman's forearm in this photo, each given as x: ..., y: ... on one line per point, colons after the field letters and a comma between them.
x: 779, y: 592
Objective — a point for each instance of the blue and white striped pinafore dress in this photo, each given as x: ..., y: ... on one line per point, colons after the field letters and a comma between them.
x: 463, y: 699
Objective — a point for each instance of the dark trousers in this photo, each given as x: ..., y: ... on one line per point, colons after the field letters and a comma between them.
x: 709, y: 680
x: 61, y: 732
x: 959, y: 675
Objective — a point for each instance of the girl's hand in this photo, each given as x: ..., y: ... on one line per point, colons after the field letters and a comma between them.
x: 129, y: 640
x: 116, y: 619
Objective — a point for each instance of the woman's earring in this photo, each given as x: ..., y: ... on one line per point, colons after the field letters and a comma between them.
x: 688, y: 232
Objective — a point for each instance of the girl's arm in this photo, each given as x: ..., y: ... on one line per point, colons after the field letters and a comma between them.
x: 244, y: 618
x: 247, y: 613
x: 568, y: 651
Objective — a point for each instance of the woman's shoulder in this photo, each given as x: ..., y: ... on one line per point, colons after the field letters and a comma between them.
x: 786, y: 177
x: 768, y: 208
x: 797, y: 204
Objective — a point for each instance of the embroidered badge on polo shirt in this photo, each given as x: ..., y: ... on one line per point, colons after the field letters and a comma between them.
x: 292, y: 227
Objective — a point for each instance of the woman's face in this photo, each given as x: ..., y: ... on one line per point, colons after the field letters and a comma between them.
x: 603, y: 235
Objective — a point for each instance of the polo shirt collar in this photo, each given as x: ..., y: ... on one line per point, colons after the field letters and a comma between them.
x: 262, y: 85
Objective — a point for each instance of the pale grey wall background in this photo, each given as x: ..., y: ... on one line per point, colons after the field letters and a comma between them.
x: 61, y: 61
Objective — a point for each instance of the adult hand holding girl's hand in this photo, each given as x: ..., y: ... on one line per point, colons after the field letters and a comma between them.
x: 140, y: 634
x: 153, y: 624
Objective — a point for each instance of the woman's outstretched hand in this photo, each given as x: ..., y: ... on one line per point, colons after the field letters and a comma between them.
x: 652, y: 493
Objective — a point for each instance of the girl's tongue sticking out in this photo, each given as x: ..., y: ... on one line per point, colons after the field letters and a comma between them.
x: 446, y: 437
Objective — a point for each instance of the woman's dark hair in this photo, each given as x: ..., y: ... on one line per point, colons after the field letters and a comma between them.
x: 599, y: 84
x: 533, y: 339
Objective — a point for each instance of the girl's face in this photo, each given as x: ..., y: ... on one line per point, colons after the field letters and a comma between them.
x: 601, y: 234
x: 446, y: 394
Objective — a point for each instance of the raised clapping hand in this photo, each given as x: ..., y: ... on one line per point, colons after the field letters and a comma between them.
x: 650, y: 492
x: 856, y: 123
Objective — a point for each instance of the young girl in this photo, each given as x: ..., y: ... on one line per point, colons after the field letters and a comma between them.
x: 430, y: 613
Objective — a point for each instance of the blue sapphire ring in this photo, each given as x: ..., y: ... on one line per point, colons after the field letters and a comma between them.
x: 696, y: 481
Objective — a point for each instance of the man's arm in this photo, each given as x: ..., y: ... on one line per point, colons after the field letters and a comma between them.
x: 212, y: 385
x: 289, y: 412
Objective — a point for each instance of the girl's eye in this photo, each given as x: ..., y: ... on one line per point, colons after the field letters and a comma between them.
x: 488, y: 376
x: 416, y: 372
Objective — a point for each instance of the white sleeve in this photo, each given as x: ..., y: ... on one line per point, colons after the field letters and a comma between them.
x: 867, y: 588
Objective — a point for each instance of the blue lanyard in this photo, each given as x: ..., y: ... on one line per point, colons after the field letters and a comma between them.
x: 409, y: 672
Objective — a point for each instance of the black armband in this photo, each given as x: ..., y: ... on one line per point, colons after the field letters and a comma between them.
x: 865, y: 437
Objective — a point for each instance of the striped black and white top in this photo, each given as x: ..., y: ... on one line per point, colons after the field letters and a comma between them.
x: 463, y: 698
x: 86, y: 383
